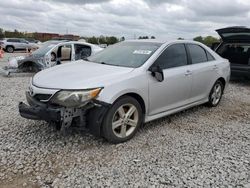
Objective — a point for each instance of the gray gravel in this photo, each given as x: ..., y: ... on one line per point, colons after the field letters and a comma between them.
x: 201, y: 147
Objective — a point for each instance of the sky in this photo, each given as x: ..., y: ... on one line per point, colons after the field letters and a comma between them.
x: 164, y: 19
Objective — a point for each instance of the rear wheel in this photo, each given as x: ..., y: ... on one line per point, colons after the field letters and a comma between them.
x: 122, y: 120
x: 10, y: 49
x: 216, y: 94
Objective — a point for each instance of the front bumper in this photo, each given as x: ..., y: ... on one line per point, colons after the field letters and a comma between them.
x: 38, y: 110
x: 91, y: 115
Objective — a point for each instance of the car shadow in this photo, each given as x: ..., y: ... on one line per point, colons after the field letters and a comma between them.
x: 240, y: 81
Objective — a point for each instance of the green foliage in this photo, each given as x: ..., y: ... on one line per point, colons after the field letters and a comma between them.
x: 94, y: 40
x: 1, y: 33
x: 103, y: 40
x: 208, y: 40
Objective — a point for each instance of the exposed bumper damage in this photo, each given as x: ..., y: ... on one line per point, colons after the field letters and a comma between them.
x: 91, y: 115
x: 21, y: 64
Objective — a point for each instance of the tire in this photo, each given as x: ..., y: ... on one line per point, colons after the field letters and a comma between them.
x: 10, y: 49
x: 215, y: 94
x: 122, y: 120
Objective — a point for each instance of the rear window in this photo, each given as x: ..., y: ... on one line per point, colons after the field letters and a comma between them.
x: 209, y: 56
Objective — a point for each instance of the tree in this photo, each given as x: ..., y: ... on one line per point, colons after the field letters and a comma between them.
x: 152, y: 37
x: 102, y: 40
x: 198, y: 39
x: 92, y: 40
x: 112, y: 40
x: 1, y: 33
x: 180, y: 38
x: 208, y: 40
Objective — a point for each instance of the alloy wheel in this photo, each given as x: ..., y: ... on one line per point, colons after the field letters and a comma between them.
x: 217, y: 93
x: 125, y: 120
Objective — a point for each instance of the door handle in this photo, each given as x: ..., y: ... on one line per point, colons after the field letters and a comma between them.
x: 188, y: 73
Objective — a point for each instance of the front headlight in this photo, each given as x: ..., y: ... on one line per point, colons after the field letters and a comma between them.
x: 75, y: 99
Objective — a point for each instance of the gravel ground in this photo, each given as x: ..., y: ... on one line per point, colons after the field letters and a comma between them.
x: 201, y: 147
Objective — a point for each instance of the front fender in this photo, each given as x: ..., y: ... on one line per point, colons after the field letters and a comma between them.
x: 136, y: 85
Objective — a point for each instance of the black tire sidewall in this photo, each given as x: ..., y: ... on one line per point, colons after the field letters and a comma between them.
x: 210, y: 102
x: 10, y: 47
x: 107, y: 123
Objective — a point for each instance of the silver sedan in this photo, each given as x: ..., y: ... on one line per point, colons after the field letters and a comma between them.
x: 126, y: 85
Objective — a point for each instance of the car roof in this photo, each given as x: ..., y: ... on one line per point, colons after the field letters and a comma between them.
x: 77, y: 42
x: 163, y: 41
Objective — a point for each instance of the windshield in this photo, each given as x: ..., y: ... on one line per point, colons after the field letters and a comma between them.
x: 44, y: 49
x: 126, y: 54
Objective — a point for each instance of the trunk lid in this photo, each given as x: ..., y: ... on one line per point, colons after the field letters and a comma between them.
x: 234, y: 34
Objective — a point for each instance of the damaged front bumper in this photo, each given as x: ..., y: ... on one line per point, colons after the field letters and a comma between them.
x: 90, y: 115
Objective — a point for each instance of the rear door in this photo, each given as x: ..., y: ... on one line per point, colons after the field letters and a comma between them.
x: 204, y: 69
x: 15, y: 43
x: 66, y: 53
x: 174, y: 90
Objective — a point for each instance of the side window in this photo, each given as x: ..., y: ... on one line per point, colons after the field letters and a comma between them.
x: 197, y: 53
x: 23, y: 41
x: 209, y: 57
x: 12, y: 40
x: 82, y: 51
x: 174, y: 56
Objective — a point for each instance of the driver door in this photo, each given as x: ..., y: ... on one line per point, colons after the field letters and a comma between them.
x: 64, y: 54
x: 174, y: 91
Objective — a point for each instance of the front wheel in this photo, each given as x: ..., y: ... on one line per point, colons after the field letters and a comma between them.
x: 122, y: 120
x: 10, y: 49
x: 216, y: 94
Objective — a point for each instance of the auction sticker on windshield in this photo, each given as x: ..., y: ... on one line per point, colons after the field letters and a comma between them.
x: 144, y: 52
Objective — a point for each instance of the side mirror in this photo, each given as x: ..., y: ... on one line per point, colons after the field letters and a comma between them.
x: 157, y: 72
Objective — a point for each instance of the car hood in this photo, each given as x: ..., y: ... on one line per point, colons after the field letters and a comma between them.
x: 234, y: 34
x: 79, y: 75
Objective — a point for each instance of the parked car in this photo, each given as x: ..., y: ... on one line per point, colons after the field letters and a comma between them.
x: 235, y: 47
x: 127, y: 84
x: 31, y: 40
x: 13, y: 44
x: 50, y: 54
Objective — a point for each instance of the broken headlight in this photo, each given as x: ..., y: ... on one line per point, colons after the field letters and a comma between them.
x: 75, y: 99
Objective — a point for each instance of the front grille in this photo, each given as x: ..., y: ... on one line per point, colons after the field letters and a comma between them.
x: 42, y: 97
